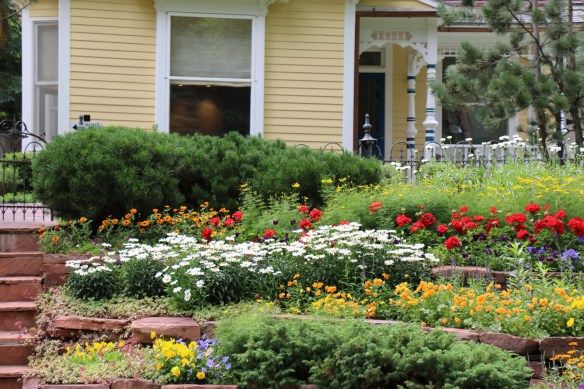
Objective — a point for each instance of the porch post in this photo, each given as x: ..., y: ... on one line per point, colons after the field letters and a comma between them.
x: 411, y: 130
x: 430, y: 122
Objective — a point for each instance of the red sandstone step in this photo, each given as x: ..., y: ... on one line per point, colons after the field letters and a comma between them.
x: 11, y: 376
x: 21, y: 264
x: 18, y: 239
x: 19, y: 288
x: 13, y: 348
x: 17, y: 315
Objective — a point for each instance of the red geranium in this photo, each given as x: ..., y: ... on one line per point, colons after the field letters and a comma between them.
x: 305, y: 224
x: 269, y: 234
x: 428, y: 219
x: 315, y: 214
x: 452, y: 242
x: 492, y: 223
x: 375, y: 206
x: 442, y: 229
x: 493, y: 210
x: 561, y: 214
x: 532, y: 208
x: 237, y: 216
x: 463, y: 224
x: 207, y: 233
x: 229, y: 222
x: 522, y: 234
x: 215, y: 221
x: 478, y: 218
x: 417, y: 226
x: 576, y: 225
x: 463, y: 209
x: 343, y: 222
x: 516, y: 218
x: 303, y: 208
x: 549, y: 222
x: 402, y: 220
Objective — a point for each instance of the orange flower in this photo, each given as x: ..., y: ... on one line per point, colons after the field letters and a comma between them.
x: 56, y: 239
x: 133, y: 211
x: 82, y: 219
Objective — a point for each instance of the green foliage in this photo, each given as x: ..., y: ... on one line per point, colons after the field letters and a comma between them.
x: 10, y: 61
x: 99, y: 282
x: 275, y: 353
x: 139, y: 278
x: 100, y: 172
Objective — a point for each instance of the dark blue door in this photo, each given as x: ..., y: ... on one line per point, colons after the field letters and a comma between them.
x: 372, y: 101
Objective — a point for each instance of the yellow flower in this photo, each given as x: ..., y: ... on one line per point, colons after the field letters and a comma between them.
x: 570, y: 322
x: 201, y: 375
x: 175, y: 371
x: 152, y: 335
x: 294, y: 185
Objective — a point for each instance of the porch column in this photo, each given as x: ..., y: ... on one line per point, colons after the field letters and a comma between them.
x: 430, y: 122
x: 411, y: 130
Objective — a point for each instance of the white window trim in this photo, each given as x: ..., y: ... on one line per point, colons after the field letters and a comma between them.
x: 349, y: 73
x: 64, y: 99
x: 29, y: 71
x: 251, y: 9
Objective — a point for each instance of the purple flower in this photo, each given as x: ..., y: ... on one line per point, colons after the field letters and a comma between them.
x: 570, y: 254
x: 581, y: 239
x: 210, y: 363
x: 531, y: 250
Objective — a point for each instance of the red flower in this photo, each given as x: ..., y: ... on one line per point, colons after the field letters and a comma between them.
x: 229, y: 222
x: 576, y: 225
x: 532, y: 208
x: 442, y: 229
x: 463, y: 209
x: 478, y: 218
x: 206, y: 233
x: 452, y: 242
x: 375, y: 206
x: 269, y: 234
x: 522, y: 234
x: 417, y: 226
x: 315, y: 214
x: 237, y: 216
x: 549, y: 222
x: 493, y: 210
x: 303, y: 208
x: 428, y: 219
x: 463, y: 224
x: 561, y: 214
x: 215, y: 221
x: 516, y: 218
x: 402, y: 220
x: 305, y: 224
x: 492, y: 223
x: 343, y: 223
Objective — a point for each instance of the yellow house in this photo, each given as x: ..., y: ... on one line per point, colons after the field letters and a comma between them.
x: 305, y: 71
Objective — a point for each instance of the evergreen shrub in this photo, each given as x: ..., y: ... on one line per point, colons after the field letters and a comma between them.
x: 101, y: 172
x: 267, y: 352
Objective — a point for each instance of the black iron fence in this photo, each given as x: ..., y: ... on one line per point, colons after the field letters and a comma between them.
x: 18, y: 148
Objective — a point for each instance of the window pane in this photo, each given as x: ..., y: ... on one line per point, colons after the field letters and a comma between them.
x: 212, y: 110
x: 46, y: 112
x: 47, y: 52
x: 465, y: 123
x: 210, y: 47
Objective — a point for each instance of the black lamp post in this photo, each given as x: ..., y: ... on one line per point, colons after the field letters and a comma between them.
x: 366, y: 143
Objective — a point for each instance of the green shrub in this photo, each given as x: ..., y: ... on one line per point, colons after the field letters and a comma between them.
x: 94, y: 282
x: 266, y: 352
x: 139, y: 278
x: 100, y: 172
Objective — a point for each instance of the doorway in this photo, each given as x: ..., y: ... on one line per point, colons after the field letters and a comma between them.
x: 372, y: 101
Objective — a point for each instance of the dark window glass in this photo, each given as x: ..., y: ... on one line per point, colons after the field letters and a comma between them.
x: 465, y: 123
x: 211, y: 110
x: 370, y: 58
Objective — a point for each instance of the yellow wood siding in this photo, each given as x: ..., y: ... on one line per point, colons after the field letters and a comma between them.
x: 304, y: 72
x: 397, y: 5
x: 400, y: 99
x: 113, y: 54
x: 44, y: 9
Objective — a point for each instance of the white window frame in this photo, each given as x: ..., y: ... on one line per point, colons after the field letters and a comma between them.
x: 254, y: 10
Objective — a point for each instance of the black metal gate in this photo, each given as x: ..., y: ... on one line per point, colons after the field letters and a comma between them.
x: 18, y: 148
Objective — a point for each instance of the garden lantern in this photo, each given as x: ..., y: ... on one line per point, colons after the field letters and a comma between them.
x: 366, y: 143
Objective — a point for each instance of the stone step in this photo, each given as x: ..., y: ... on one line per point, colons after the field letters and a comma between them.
x: 19, y: 288
x: 11, y: 376
x: 18, y: 238
x: 17, y: 315
x: 21, y: 264
x: 15, y: 348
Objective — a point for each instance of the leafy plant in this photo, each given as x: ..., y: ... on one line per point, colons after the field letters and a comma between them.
x: 93, y: 281
x: 139, y: 278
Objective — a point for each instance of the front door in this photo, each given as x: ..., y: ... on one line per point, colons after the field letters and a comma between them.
x: 372, y: 101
